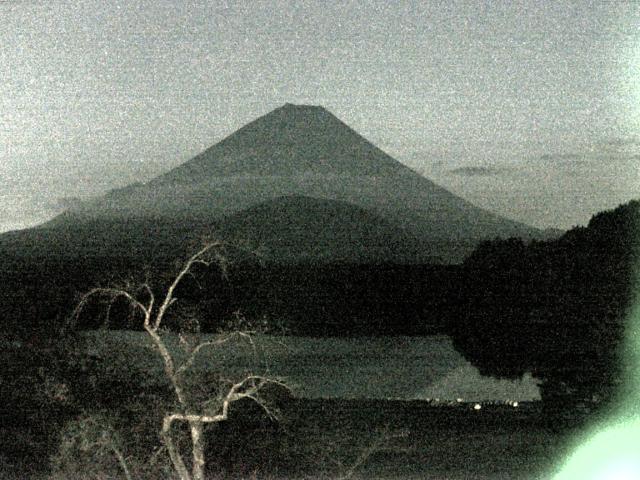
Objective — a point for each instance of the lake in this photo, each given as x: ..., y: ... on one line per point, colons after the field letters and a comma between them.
x: 399, y: 368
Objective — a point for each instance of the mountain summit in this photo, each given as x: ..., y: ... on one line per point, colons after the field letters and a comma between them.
x: 305, y: 152
x: 290, y: 140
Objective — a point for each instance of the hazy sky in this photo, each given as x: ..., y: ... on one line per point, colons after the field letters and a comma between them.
x: 530, y: 109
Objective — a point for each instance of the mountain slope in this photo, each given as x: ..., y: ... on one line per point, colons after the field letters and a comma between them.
x: 293, y: 229
x: 304, y: 151
x: 289, y: 141
x: 305, y: 229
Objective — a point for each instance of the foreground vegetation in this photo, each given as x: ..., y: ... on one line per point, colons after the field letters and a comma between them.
x: 556, y: 309
x: 83, y: 416
x: 326, y: 438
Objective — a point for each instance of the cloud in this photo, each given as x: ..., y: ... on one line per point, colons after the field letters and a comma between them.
x: 476, y: 171
x: 65, y: 203
x: 596, y: 156
x: 628, y: 148
x: 623, y: 142
x: 562, y: 157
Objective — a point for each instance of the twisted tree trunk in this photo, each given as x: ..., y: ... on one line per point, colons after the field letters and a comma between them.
x: 197, y: 446
x: 249, y: 387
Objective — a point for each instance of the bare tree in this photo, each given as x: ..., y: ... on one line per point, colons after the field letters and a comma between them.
x: 189, y: 411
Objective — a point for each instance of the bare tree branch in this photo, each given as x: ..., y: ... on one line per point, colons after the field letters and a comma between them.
x: 234, y: 394
x: 380, y: 443
x: 189, y: 411
x: 147, y: 288
x: 188, y: 363
x: 169, y: 298
x: 112, y: 294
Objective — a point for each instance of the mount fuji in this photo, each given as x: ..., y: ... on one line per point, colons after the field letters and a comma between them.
x: 300, y: 184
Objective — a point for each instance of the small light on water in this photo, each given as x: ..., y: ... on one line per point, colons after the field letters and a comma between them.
x: 477, y: 406
x: 515, y: 404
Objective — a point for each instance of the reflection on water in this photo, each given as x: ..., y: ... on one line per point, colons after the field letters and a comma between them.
x: 403, y: 368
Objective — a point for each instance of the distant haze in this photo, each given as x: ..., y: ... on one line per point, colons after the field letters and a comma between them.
x: 528, y: 109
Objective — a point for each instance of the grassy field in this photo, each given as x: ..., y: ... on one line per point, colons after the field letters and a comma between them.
x: 422, y: 441
x: 322, y: 439
x: 496, y: 442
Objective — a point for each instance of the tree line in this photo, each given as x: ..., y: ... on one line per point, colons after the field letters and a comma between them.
x: 554, y: 308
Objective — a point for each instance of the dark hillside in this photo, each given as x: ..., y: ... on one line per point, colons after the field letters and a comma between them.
x: 555, y: 308
x: 310, y: 299
x: 296, y: 229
